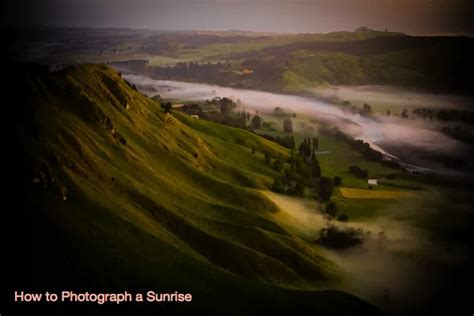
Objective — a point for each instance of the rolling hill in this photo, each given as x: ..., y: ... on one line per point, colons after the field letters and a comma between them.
x: 290, y: 63
x: 120, y: 195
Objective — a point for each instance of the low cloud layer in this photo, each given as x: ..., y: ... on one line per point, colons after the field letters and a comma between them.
x: 386, y: 134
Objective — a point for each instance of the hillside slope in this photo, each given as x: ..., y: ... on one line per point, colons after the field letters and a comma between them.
x: 123, y: 195
x: 433, y: 64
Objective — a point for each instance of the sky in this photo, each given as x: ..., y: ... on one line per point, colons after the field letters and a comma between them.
x: 309, y: 16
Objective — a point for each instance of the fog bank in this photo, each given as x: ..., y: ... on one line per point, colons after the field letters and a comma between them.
x: 381, y: 132
x: 385, y: 97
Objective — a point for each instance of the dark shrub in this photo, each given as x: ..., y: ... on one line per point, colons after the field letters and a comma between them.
x: 339, y: 238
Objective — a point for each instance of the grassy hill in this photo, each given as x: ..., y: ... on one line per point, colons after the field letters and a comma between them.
x: 435, y: 64
x: 120, y: 195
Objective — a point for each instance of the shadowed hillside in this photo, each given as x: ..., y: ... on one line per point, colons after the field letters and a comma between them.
x: 121, y: 195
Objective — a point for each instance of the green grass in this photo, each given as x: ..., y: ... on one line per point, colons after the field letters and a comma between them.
x: 361, y: 210
x: 221, y: 51
x: 337, y: 162
x: 175, y: 206
x: 340, y: 156
x: 314, y: 68
x: 163, y: 61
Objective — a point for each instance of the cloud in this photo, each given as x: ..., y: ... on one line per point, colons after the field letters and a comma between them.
x: 411, y: 16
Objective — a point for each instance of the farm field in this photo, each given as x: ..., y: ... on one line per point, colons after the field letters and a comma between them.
x: 354, y: 193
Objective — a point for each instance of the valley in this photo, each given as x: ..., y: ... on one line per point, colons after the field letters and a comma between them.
x: 258, y: 172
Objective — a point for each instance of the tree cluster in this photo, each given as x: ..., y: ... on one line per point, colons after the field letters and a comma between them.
x: 340, y: 238
x: 167, y: 107
x: 456, y: 115
x: 304, y: 172
x: 308, y: 146
x: 288, y: 126
x: 358, y: 172
x: 287, y: 141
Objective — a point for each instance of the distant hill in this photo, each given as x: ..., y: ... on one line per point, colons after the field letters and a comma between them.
x: 280, y: 62
x: 121, y: 195
x: 437, y: 64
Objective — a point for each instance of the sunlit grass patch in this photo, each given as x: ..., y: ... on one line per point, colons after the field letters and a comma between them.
x: 353, y: 193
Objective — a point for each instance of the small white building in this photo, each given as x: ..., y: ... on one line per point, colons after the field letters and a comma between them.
x: 195, y: 116
x: 372, y: 181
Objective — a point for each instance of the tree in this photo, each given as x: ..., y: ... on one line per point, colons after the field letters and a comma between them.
x: 331, y: 209
x: 291, y: 142
x: 166, y: 107
x: 340, y: 238
x: 242, y: 119
x: 305, y: 148
x: 226, y: 106
x: 256, y: 122
x: 315, y: 167
x: 405, y: 113
x: 342, y: 217
x: 326, y: 186
x: 301, y: 149
x: 299, y: 189
x: 337, y: 181
x: 288, y: 126
x: 279, y: 164
x: 315, y: 143
x: 303, y: 170
x: 278, y: 111
x: 358, y: 172
x: 366, y: 110
x: 278, y: 186
x: 290, y: 175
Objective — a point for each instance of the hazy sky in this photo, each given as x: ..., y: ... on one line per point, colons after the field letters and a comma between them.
x: 410, y: 16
